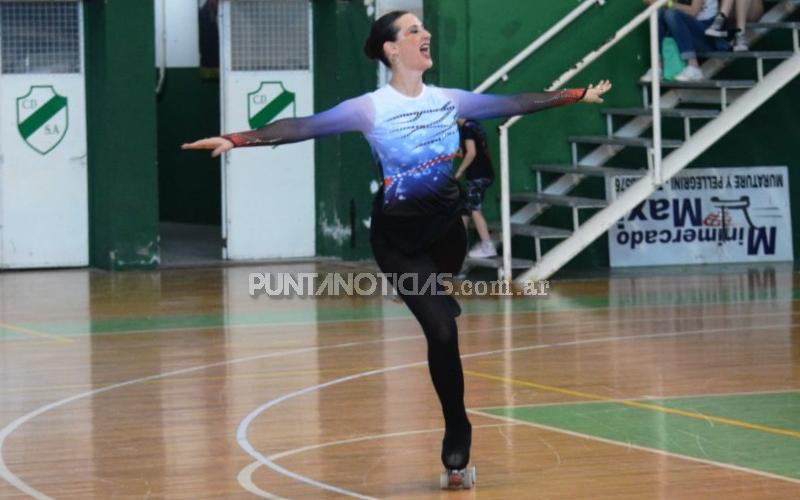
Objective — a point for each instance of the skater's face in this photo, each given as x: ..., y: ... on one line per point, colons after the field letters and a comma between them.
x: 412, y: 49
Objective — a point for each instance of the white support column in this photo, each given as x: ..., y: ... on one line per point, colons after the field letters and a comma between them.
x: 505, y: 202
x: 655, y: 63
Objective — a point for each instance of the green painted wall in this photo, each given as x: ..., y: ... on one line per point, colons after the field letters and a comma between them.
x: 471, y: 41
x: 344, y: 166
x: 121, y: 120
x: 189, y: 185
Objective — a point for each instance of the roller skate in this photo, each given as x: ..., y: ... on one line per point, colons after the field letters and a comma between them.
x: 455, y: 457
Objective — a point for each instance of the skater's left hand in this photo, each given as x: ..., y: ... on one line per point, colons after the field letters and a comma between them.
x: 219, y: 145
x: 594, y: 92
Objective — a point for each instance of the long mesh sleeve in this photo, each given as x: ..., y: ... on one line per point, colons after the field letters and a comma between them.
x: 486, y: 106
x: 352, y: 115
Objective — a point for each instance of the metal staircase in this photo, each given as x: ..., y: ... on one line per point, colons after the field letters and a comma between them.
x: 734, y: 100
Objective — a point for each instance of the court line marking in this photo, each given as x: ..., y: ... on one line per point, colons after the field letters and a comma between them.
x: 523, y: 326
x: 243, y: 376
x: 34, y: 333
x: 636, y: 404
x: 244, y: 443
x: 245, y: 476
x: 679, y: 396
x: 15, y: 481
x: 245, y: 479
x: 641, y: 448
x: 380, y: 319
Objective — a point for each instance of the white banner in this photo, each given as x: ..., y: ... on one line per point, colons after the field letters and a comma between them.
x: 706, y: 216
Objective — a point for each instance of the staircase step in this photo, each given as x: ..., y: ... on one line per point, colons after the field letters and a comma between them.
x: 559, y: 200
x: 497, y: 262
x: 534, y: 231
x: 638, y: 142
x: 665, y: 112
x: 775, y: 25
x: 749, y: 54
x: 705, y: 84
x: 586, y: 170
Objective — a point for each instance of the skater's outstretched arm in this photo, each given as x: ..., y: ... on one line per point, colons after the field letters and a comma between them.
x: 486, y: 106
x: 353, y: 115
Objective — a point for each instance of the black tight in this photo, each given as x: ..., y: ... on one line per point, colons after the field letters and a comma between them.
x: 435, y: 313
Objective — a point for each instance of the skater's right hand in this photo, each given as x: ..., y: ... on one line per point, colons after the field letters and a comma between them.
x: 219, y: 145
x: 594, y: 93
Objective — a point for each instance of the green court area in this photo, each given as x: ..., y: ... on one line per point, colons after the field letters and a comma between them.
x: 301, y: 312
x: 755, y: 431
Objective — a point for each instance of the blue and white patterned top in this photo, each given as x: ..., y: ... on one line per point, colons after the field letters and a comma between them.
x: 414, y: 139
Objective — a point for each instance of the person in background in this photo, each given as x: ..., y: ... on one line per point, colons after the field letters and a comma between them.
x: 476, y: 167
x: 687, y: 22
x: 746, y: 11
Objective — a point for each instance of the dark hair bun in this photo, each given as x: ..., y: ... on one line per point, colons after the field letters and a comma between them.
x: 383, y: 30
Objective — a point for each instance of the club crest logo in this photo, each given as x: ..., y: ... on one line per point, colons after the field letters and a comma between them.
x: 270, y: 102
x: 42, y: 118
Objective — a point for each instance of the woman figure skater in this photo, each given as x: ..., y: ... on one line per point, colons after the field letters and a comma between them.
x: 416, y: 222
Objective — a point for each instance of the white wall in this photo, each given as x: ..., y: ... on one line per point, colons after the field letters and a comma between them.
x: 384, y: 6
x: 183, y: 47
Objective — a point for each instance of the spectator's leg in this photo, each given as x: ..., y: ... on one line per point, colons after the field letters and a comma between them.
x: 682, y: 28
x: 747, y: 10
x: 663, y: 29
x: 756, y: 10
x: 481, y: 226
x: 690, y: 35
x: 702, y: 42
x: 725, y: 7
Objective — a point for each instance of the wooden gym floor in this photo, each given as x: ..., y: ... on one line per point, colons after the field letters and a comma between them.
x: 674, y: 383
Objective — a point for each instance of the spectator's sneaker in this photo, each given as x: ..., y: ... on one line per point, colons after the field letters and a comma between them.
x: 690, y: 74
x: 717, y: 28
x: 740, y: 42
x: 648, y: 77
x: 484, y: 250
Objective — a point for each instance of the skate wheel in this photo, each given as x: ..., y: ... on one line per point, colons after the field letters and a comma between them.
x: 458, y: 479
x: 452, y: 479
x: 470, y: 477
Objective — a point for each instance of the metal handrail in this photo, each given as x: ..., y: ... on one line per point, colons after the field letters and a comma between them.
x: 502, y: 73
x: 651, y: 14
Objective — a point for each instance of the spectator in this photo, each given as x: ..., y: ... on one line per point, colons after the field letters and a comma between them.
x: 687, y: 22
x: 477, y: 167
x: 746, y: 11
